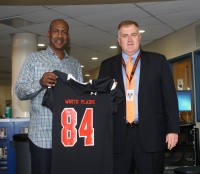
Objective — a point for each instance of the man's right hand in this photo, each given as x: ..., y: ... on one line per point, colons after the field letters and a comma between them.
x: 48, y: 79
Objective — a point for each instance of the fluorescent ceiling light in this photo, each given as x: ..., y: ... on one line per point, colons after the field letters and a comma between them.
x: 141, y: 31
x: 94, y: 58
x: 41, y: 45
x: 113, y: 47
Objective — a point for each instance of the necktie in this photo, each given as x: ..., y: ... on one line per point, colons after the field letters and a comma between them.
x: 130, y: 96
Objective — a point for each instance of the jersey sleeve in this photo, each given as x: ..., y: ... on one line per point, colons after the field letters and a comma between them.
x: 47, y: 100
x: 117, y: 97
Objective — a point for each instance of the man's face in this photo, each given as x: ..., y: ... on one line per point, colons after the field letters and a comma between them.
x: 58, y: 35
x: 129, y: 39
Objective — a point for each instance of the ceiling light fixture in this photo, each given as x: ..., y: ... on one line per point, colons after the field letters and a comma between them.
x: 87, y: 75
x: 94, y: 58
x: 141, y: 31
x: 16, y: 21
x: 113, y: 47
x: 82, y: 66
x: 41, y: 45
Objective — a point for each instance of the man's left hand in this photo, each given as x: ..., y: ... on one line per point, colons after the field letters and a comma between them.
x: 171, y: 140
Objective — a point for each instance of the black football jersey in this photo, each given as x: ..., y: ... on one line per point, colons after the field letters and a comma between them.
x: 82, y: 125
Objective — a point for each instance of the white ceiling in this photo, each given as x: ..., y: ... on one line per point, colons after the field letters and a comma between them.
x: 93, y: 28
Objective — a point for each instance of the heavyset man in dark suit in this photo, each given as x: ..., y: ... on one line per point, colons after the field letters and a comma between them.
x: 140, y: 145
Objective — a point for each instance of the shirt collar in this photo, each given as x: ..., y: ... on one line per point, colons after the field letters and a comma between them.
x: 134, y: 56
x: 52, y: 52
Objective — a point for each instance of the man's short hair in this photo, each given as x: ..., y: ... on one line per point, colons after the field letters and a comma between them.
x: 127, y: 23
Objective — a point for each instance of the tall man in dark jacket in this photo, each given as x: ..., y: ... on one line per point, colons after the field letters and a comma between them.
x: 140, y: 145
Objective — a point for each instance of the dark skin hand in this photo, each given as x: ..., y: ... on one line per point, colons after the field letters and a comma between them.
x: 48, y: 79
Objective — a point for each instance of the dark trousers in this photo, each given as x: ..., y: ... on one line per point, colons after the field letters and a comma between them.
x: 40, y: 159
x: 134, y: 158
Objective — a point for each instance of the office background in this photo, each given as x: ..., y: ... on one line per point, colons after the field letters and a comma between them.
x: 171, y: 28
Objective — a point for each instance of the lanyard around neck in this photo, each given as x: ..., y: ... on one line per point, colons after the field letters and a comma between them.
x: 134, y: 66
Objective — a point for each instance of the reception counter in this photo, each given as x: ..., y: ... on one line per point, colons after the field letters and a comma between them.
x: 8, y: 128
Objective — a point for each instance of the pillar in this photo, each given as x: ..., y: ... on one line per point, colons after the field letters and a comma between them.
x: 22, y: 45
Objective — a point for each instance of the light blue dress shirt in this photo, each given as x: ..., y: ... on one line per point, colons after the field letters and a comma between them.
x: 136, y: 77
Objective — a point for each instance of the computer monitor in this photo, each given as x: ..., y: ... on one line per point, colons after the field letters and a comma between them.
x: 184, y: 100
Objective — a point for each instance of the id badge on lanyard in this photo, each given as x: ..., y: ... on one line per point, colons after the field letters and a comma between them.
x: 129, y: 95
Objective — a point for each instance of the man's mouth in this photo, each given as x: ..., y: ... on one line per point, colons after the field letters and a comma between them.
x: 130, y: 44
x: 59, y: 40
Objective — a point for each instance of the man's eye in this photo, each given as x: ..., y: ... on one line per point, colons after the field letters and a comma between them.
x: 65, y: 32
x: 124, y: 36
x: 134, y: 34
x: 55, y: 31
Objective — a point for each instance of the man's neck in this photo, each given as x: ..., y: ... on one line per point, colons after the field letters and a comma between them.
x: 59, y: 53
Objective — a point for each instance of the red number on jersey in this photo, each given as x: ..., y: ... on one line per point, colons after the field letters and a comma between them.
x: 86, y: 127
x: 69, y: 131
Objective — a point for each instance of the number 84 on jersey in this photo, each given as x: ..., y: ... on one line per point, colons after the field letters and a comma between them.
x: 69, y: 131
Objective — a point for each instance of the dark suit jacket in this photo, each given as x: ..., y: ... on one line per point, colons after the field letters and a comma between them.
x: 157, y: 101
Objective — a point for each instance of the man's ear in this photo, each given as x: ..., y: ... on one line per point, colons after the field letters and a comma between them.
x: 119, y: 41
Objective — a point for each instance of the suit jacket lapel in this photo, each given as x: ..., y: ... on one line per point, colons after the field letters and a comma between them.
x: 143, y: 68
x: 118, y: 74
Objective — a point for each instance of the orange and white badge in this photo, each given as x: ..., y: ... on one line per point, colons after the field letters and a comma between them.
x: 129, y: 95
